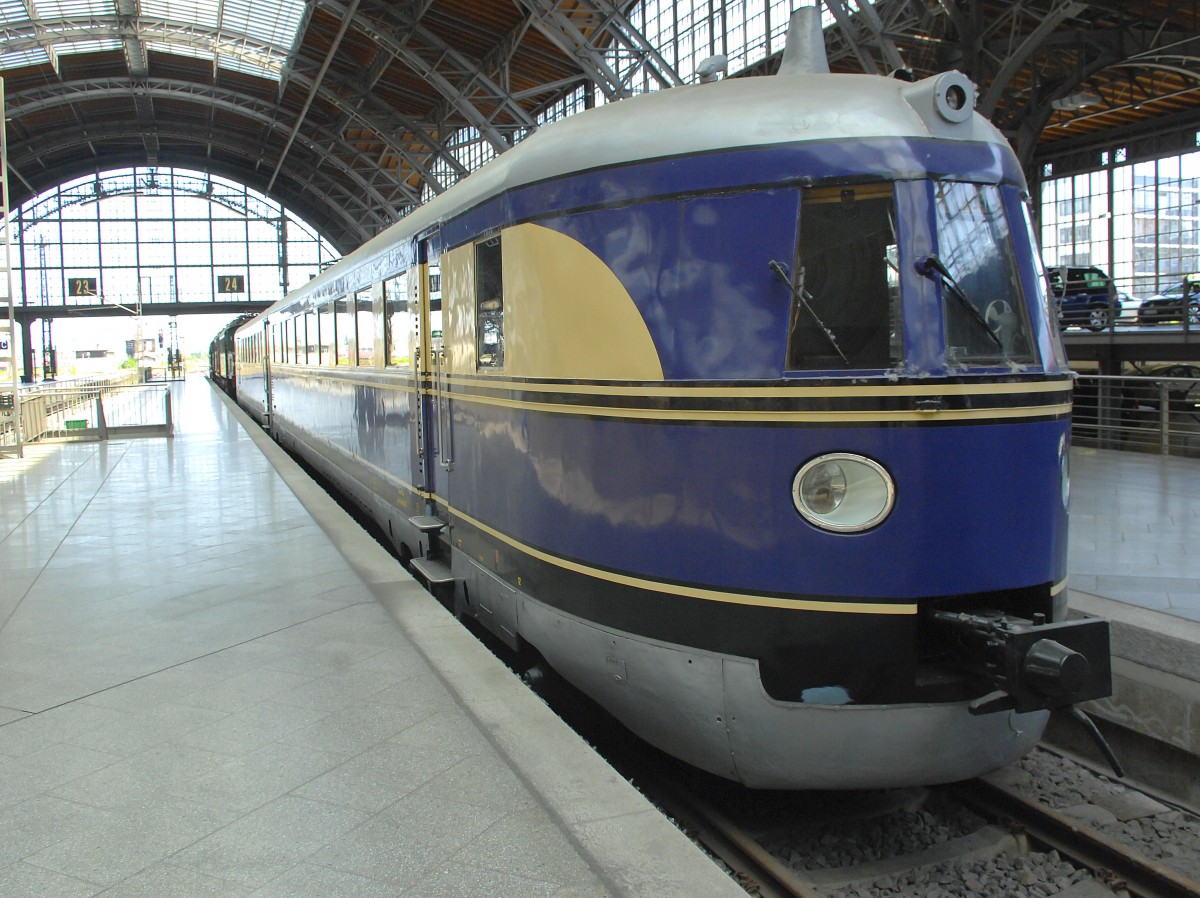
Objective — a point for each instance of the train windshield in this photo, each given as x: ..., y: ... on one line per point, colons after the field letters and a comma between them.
x: 845, y: 283
x: 984, y: 309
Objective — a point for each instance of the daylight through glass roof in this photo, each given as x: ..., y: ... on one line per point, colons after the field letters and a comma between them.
x: 255, y: 41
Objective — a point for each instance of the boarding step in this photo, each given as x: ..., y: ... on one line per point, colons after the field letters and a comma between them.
x: 432, y: 571
x: 427, y: 523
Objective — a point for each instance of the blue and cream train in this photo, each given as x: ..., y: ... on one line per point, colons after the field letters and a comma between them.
x: 743, y: 404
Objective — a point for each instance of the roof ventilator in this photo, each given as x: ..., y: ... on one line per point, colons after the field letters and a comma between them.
x: 804, y: 50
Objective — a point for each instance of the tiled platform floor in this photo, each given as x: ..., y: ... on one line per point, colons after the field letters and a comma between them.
x: 204, y: 691
x: 1135, y: 529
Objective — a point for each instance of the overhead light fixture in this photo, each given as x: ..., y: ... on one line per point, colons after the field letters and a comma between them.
x: 1071, y: 102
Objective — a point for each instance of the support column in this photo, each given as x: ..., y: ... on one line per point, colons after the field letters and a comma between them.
x: 27, y: 366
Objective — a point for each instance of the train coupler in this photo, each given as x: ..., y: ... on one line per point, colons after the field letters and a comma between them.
x: 1032, y: 665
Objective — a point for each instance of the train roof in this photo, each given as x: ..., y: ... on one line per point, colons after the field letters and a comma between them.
x: 729, y: 114
x: 735, y: 113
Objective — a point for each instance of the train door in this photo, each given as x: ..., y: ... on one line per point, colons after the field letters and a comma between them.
x: 433, y: 412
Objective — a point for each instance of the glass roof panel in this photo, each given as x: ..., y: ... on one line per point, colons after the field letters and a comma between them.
x: 95, y: 46
x: 22, y: 58
x: 250, y: 67
x: 275, y: 25
x: 179, y: 49
x: 75, y: 9
x: 254, y: 41
x: 205, y: 13
x: 12, y: 11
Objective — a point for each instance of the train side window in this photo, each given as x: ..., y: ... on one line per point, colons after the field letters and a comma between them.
x: 846, y: 309
x: 398, y: 323
x: 325, y: 334
x: 307, y: 336
x: 344, y: 324
x: 365, y: 327
x: 489, y: 303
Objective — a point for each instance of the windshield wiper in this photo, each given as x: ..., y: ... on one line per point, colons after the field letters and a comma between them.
x: 802, y: 297
x: 930, y: 264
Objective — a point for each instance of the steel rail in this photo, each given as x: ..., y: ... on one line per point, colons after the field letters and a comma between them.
x: 1140, y: 875
x: 754, y: 868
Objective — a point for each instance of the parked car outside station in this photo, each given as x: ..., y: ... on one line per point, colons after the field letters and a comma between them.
x: 1170, y: 305
x: 1085, y: 296
x: 1130, y: 305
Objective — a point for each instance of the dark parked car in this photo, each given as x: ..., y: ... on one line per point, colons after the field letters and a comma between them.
x: 1170, y: 305
x: 1085, y: 296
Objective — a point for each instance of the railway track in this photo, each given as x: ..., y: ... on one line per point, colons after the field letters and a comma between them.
x: 1073, y: 859
x: 1118, y: 864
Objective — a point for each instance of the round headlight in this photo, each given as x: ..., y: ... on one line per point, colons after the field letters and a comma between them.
x: 843, y: 492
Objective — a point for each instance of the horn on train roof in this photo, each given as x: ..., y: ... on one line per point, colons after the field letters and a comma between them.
x: 804, y: 51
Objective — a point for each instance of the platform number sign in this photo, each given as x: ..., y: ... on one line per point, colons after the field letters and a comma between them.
x: 231, y: 283
x: 82, y: 287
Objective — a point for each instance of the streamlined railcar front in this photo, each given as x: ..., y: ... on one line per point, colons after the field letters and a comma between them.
x: 815, y: 540
x: 743, y: 405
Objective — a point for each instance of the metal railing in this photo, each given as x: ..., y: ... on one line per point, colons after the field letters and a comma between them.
x: 91, y: 409
x: 1141, y: 414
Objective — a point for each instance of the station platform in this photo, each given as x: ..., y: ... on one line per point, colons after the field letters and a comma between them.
x: 1135, y: 530
x: 1135, y: 519
x: 214, y: 683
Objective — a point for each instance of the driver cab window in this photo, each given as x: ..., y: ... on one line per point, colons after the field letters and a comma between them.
x: 845, y: 310
x: 986, y: 318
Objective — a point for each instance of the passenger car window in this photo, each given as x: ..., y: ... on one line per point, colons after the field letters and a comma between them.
x: 325, y: 334
x: 846, y: 285
x: 489, y: 303
x: 345, y: 332
x: 398, y: 322
x: 365, y: 325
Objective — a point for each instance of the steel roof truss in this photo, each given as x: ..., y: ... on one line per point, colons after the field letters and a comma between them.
x: 606, y: 46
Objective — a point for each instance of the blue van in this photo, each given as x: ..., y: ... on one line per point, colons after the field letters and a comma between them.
x: 1085, y: 296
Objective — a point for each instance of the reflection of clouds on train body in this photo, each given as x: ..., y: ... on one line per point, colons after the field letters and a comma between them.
x: 697, y: 308
x: 629, y: 251
x: 565, y: 479
x: 705, y: 343
x: 588, y: 484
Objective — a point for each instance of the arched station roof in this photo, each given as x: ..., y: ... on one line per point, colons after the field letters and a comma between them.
x: 344, y: 110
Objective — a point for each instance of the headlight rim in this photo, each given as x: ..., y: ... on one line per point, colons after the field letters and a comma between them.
x: 832, y: 526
